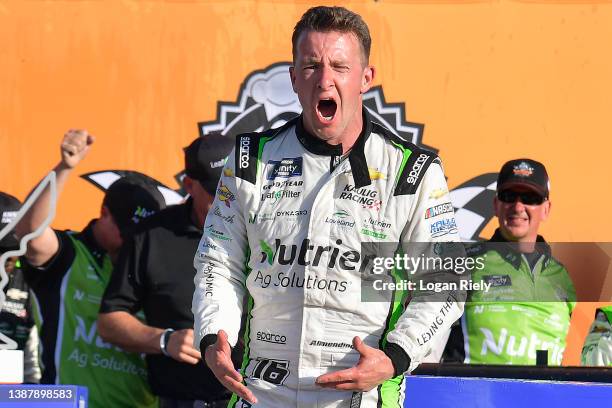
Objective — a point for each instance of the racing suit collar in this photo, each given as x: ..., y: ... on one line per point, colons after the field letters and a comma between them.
x: 514, y: 257
x: 356, y: 156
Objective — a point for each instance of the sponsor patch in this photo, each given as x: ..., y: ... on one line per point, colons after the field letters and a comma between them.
x: 443, y: 227
x: 225, y: 218
x: 522, y: 170
x: 285, y: 168
x: 216, y: 233
x: 373, y: 234
x: 243, y: 157
x: 270, y: 337
x: 274, y: 197
x: 438, y: 193
x: 341, y: 344
x: 498, y: 280
x: 341, y: 219
x: 375, y: 174
x: 368, y: 198
x: 438, y: 210
x: 225, y: 195
x: 417, y: 168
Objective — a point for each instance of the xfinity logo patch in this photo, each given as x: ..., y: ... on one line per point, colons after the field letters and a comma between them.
x: 413, y: 176
x: 288, y: 167
x: 245, y: 143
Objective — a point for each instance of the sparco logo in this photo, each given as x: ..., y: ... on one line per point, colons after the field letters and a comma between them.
x: 413, y: 176
x: 245, y: 143
x: 271, y: 337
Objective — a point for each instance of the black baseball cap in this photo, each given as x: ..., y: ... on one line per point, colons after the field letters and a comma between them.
x: 525, y: 173
x: 205, y: 158
x: 132, y: 199
x: 9, y: 206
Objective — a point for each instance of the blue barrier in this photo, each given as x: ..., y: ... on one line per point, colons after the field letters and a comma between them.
x: 42, y: 396
x: 458, y: 392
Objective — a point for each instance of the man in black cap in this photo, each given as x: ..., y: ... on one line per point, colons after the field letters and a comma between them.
x: 16, y: 320
x: 68, y: 273
x: 155, y: 273
x: 537, y: 291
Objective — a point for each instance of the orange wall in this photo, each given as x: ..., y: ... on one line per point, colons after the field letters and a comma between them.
x: 492, y: 80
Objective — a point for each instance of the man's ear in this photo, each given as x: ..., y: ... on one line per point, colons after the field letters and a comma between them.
x: 292, y: 75
x: 367, y: 78
x: 104, y: 211
x: 546, y: 209
x: 188, y: 184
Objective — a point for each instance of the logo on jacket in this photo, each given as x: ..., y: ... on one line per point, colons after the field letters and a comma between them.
x: 245, y: 144
x: 367, y: 197
x: 284, y: 168
x: 225, y: 195
x: 413, y: 176
x: 443, y: 227
x: 438, y: 209
x: 308, y: 254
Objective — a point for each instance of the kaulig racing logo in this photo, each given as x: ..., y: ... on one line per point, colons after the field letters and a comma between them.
x: 266, y: 100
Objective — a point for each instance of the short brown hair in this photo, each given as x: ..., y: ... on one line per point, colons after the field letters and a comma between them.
x: 325, y: 19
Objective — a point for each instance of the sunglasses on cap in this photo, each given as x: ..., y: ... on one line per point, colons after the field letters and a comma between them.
x: 527, y: 197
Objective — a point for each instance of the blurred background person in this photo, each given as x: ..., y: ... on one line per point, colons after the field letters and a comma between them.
x: 68, y: 272
x: 597, y: 349
x: 529, y: 304
x: 154, y: 274
x: 16, y: 320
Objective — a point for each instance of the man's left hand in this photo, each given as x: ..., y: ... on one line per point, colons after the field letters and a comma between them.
x: 373, y: 368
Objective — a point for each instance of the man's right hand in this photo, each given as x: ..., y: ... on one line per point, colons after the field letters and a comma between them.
x: 218, y: 357
x: 75, y: 146
x: 180, y: 347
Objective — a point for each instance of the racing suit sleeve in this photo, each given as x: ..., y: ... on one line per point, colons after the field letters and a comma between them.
x: 220, y: 263
x: 597, y: 349
x: 429, y: 315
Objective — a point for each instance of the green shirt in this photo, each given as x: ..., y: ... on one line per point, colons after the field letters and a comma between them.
x: 523, y: 311
x: 68, y: 292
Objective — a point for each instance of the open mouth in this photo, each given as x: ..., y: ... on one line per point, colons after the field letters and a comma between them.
x: 327, y: 109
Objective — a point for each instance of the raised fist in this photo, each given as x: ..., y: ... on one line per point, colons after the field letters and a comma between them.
x: 75, y: 146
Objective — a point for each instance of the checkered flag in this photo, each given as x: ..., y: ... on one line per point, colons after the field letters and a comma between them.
x: 473, y: 203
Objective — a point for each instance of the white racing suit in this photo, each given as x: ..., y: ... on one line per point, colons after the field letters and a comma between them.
x: 286, y: 229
